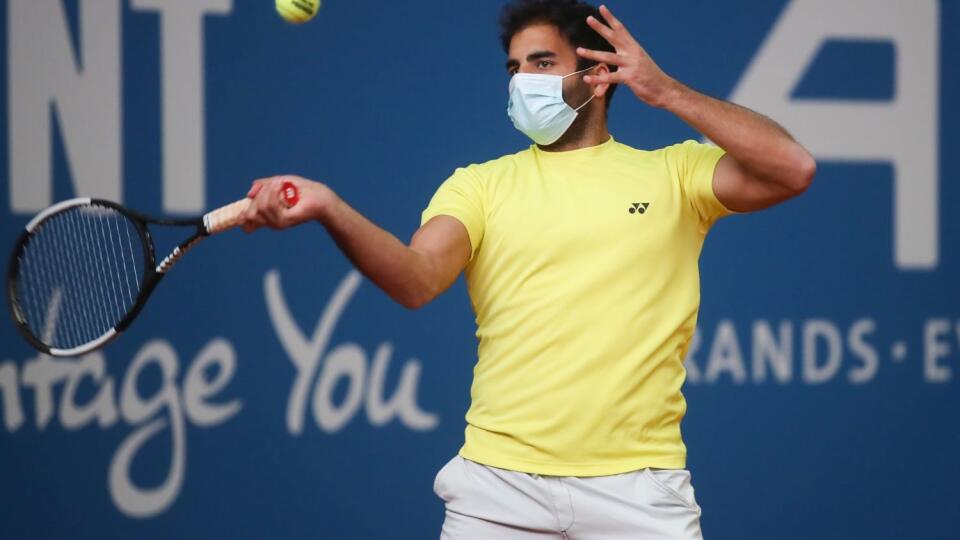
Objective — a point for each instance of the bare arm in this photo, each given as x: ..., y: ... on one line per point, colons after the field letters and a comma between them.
x: 764, y: 165
x: 412, y: 275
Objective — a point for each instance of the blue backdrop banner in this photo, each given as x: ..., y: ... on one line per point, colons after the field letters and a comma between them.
x: 269, y: 391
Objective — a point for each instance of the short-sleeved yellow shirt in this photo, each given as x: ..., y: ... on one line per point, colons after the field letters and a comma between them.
x: 585, y: 284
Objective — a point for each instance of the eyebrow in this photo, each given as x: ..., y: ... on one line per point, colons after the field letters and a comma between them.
x: 532, y: 56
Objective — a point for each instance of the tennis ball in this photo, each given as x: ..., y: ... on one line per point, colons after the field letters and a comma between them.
x: 297, y: 11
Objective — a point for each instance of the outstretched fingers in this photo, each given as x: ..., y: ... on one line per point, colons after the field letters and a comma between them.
x: 601, y: 56
x: 604, y: 78
x: 602, y: 29
x: 614, y: 22
x: 612, y: 30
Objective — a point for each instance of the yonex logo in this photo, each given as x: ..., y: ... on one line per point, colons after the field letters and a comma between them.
x: 639, y: 207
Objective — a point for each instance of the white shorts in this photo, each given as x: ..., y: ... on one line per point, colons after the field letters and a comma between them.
x: 486, y: 503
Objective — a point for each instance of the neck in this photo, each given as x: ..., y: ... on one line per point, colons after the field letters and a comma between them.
x: 589, y: 129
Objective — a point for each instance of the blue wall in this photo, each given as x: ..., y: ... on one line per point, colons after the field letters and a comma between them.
x: 382, y: 100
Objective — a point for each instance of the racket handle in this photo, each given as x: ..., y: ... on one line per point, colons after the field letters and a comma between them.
x: 225, y: 217
x: 228, y: 217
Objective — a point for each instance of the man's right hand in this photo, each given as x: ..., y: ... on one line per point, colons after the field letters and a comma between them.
x: 269, y: 210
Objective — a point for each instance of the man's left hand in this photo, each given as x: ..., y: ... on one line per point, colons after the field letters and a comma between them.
x: 635, y: 68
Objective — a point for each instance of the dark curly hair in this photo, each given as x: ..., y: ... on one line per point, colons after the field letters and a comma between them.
x: 570, y: 18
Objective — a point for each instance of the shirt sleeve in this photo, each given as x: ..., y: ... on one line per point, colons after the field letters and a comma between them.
x: 461, y: 197
x: 695, y: 164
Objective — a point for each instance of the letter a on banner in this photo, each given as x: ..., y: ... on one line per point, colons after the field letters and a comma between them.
x: 903, y: 131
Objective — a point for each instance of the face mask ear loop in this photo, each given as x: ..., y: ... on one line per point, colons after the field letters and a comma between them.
x: 585, y: 103
x: 592, y: 96
x: 581, y: 71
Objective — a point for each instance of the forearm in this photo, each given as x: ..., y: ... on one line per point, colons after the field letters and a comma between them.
x: 759, y: 145
x: 403, y: 273
x: 763, y: 166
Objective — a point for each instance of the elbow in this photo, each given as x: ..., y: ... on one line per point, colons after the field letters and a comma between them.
x: 421, y: 286
x: 803, y: 168
x: 413, y: 303
x: 416, y: 299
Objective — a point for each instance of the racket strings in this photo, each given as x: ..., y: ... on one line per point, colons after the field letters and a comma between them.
x: 80, y: 274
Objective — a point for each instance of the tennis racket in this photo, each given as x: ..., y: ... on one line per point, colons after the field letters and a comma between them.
x: 84, y: 268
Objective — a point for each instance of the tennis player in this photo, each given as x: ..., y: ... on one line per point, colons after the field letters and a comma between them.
x: 580, y: 255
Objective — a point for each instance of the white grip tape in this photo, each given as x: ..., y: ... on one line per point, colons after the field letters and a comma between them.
x: 225, y: 217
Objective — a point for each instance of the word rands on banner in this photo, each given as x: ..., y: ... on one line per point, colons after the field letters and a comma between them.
x: 817, y: 351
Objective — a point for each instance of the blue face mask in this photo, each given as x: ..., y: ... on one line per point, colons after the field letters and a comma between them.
x: 537, y: 107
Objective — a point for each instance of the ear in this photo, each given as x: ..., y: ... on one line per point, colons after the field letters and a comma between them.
x: 600, y: 90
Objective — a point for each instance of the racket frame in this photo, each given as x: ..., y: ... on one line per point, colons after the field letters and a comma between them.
x: 152, y: 272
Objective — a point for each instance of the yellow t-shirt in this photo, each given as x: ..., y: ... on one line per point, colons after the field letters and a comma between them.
x: 585, y: 285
